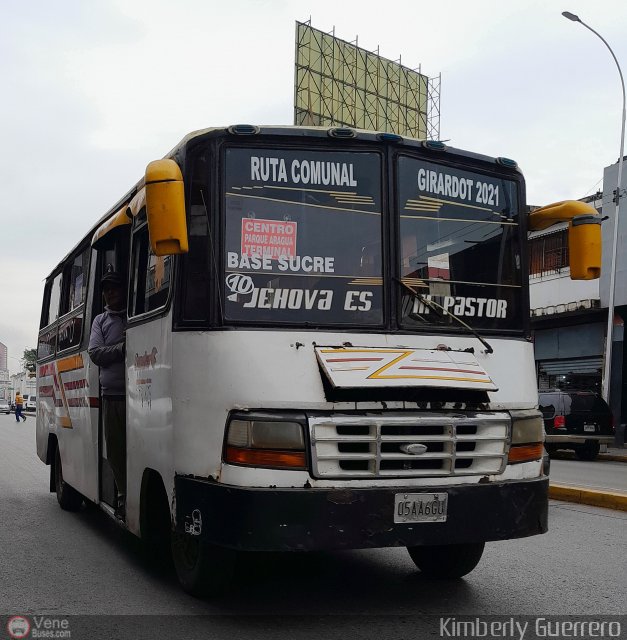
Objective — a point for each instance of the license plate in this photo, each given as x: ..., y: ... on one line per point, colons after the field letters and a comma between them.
x: 589, y: 427
x: 420, y: 507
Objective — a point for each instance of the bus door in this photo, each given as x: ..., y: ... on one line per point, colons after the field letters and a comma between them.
x: 113, y: 256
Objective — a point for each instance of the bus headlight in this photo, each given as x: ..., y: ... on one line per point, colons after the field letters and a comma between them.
x: 527, y: 437
x: 272, y: 441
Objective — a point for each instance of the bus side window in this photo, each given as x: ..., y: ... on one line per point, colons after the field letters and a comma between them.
x: 78, y: 274
x: 151, y: 275
x: 52, y: 311
x: 47, y: 342
x: 73, y: 294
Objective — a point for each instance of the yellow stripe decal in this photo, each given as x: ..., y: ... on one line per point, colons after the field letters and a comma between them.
x: 376, y: 376
x: 363, y: 351
x: 306, y: 204
x: 70, y: 364
x: 482, y: 380
x: 511, y: 224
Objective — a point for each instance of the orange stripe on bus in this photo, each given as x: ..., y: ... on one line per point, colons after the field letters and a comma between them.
x: 70, y: 363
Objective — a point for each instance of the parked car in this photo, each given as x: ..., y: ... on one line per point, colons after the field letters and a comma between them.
x: 577, y: 420
x: 5, y: 406
x: 31, y: 403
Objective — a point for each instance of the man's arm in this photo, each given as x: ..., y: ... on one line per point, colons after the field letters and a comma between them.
x: 101, y: 354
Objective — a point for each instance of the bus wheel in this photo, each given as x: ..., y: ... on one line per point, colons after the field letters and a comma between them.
x: 203, y: 569
x: 447, y: 560
x: 69, y: 498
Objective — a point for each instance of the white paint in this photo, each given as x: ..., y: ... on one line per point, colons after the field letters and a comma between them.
x: 556, y: 289
x: 220, y: 371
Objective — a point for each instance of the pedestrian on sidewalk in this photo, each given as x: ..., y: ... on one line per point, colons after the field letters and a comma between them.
x: 19, y: 406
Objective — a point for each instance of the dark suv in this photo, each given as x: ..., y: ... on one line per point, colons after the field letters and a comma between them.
x: 579, y: 420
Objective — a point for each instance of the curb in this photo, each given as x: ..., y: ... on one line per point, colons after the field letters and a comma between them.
x: 612, y: 458
x: 607, y: 499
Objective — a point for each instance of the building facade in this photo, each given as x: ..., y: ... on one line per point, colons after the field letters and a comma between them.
x: 4, y: 372
x: 569, y: 317
x: 618, y: 375
x: 4, y: 357
x: 24, y: 382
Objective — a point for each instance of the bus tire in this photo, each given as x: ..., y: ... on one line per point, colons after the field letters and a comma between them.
x: 69, y: 498
x: 203, y: 569
x: 447, y: 561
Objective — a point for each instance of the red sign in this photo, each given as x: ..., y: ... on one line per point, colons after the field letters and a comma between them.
x: 273, y: 238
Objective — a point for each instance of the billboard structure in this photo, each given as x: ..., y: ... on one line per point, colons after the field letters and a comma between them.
x: 338, y: 83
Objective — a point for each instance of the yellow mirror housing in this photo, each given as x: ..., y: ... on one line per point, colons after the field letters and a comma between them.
x: 584, y: 246
x: 165, y: 208
x: 563, y: 211
x: 584, y: 234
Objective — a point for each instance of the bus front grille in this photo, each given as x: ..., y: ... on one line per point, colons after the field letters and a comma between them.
x: 397, y: 445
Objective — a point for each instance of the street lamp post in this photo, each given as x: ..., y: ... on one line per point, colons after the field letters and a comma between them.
x: 617, y: 196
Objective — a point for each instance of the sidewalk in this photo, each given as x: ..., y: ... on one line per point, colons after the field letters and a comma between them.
x: 607, y: 499
x: 615, y: 454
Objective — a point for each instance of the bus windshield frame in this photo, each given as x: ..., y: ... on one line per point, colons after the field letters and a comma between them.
x: 303, y: 230
x: 262, y: 194
x: 461, y: 240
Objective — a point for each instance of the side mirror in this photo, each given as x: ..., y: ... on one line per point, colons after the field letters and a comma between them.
x: 165, y: 208
x: 584, y: 246
x: 584, y: 234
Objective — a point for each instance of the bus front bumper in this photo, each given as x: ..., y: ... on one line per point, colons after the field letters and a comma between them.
x: 264, y: 519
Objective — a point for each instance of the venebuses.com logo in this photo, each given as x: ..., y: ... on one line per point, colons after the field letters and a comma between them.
x: 38, y: 627
x: 18, y: 627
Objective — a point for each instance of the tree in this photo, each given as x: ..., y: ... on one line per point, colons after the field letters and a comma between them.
x: 29, y: 360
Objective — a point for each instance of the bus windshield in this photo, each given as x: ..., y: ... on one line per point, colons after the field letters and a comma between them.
x: 459, y: 246
x: 303, y: 236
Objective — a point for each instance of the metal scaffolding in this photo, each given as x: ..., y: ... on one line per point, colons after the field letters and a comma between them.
x: 338, y: 83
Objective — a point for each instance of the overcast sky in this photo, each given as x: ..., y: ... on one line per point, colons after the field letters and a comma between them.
x: 94, y: 90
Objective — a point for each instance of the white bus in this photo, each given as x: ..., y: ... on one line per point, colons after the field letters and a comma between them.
x: 328, y: 347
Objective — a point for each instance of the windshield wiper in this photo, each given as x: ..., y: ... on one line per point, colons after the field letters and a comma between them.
x: 441, y: 311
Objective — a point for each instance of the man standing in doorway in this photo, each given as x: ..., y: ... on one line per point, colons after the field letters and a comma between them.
x: 107, y: 350
x: 19, y: 407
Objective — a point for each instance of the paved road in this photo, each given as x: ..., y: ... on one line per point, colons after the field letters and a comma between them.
x: 600, y: 475
x: 54, y: 562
